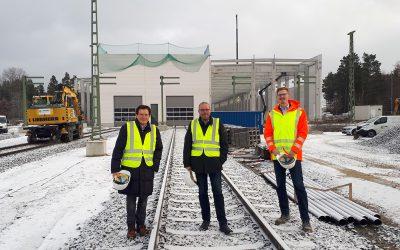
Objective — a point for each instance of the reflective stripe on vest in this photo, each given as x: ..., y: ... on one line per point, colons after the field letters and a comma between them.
x: 207, y: 143
x: 135, y: 149
x: 285, y: 129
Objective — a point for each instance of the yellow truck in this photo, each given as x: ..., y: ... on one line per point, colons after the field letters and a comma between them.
x: 55, y: 117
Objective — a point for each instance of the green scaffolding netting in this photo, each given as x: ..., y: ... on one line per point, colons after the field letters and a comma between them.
x: 119, y: 57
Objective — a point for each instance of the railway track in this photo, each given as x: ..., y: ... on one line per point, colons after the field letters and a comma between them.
x: 15, y: 149
x: 178, y: 216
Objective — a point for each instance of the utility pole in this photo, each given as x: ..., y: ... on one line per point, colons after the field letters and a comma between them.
x: 391, y: 93
x: 162, y: 83
x: 237, y: 40
x: 95, y: 88
x: 96, y: 146
x: 351, y: 77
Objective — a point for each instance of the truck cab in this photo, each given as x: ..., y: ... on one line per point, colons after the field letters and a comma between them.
x: 377, y: 124
x: 3, y: 124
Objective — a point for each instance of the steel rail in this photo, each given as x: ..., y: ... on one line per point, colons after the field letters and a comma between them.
x: 154, y: 236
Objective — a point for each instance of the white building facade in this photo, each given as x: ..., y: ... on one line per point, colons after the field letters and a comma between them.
x: 137, y: 81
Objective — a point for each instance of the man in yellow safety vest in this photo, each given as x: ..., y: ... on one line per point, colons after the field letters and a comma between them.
x: 138, y: 149
x: 205, y: 150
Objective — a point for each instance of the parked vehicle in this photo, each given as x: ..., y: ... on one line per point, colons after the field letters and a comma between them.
x: 3, y: 124
x: 351, y: 129
x: 376, y: 125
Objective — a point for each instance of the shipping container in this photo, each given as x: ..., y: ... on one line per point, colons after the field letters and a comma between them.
x: 366, y: 112
x: 249, y: 119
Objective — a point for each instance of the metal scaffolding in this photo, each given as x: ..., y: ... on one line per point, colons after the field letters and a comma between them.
x: 303, y: 79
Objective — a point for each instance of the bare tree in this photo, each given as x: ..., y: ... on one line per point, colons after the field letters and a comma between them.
x: 12, y: 74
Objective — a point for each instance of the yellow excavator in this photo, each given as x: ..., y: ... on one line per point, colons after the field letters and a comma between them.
x: 57, y: 117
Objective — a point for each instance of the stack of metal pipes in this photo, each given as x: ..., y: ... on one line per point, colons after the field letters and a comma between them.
x: 329, y: 206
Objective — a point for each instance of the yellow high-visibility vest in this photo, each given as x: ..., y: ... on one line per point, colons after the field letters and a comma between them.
x: 207, y: 143
x: 135, y: 150
x: 285, y: 129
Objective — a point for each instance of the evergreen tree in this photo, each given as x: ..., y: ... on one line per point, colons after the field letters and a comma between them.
x: 66, y: 79
x: 39, y: 90
x: 51, y: 87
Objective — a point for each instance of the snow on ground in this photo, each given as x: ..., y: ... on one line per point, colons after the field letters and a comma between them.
x: 13, y: 132
x: 44, y: 200
x: 108, y: 228
x: 13, y: 141
x: 373, y: 172
x: 58, y: 198
x: 21, y: 158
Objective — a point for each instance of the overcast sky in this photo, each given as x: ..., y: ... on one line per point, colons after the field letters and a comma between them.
x: 46, y: 37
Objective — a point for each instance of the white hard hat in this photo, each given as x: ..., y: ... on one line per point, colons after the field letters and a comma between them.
x: 190, y: 179
x: 122, y: 181
x: 286, y: 161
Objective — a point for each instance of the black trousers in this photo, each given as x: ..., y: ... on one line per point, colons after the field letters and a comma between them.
x: 135, y: 215
x: 216, y: 187
x: 297, y: 179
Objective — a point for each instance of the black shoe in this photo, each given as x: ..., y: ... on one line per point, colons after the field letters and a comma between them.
x: 225, y: 229
x: 282, y: 220
x: 307, y: 227
x: 204, y: 226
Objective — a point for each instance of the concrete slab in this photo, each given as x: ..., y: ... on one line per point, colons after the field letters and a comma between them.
x: 96, y: 148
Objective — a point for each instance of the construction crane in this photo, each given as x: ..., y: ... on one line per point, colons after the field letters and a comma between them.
x: 57, y: 117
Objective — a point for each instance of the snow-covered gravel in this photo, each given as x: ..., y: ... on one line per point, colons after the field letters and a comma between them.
x: 388, y: 139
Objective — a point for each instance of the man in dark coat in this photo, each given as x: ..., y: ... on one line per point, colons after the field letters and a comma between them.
x: 205, y: 166
x: 141, y: 183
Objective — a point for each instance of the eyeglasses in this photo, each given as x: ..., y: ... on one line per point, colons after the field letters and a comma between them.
x: 283, y: 94
x: 204, y: 110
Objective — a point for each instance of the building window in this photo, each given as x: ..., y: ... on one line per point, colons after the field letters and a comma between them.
x: 124, y: 114
x: 179, y: 113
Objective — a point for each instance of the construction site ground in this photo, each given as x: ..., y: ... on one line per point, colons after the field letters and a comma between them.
x: 333, y: 159
x: 330, y: 158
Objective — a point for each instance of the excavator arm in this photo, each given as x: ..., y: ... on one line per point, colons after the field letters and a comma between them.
x: 67, y: 91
